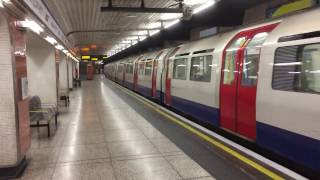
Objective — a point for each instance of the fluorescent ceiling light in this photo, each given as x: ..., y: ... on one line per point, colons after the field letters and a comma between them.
x: 59, y: 47
x: 65, y: 51
x: 51, y: 40
x: 32, y: 25
x: 154, y: 25
x: 194, y: 2
x: 172, y: 23
x: 141, y: 33
x: 154, y: 32
x: 170, y: 16
x: 126, y: 42
x: 132, y: 38
x: 204, y: 6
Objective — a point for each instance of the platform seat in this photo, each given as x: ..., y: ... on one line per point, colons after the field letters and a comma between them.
x: 41, y: 114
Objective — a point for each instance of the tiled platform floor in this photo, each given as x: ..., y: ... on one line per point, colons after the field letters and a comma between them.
x: 100, y: 136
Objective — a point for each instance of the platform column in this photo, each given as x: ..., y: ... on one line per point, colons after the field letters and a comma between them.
x: 14, y: 111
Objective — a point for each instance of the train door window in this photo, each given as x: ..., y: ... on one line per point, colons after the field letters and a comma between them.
x: 119, y: 69
x: 251, y: 60
x: 141, y: 68
x: 230, y: 60
x: 148, y: 68
x: 130, y: 68
x: 297, y: 68
x: 201, y: 68
x: 180, y: 69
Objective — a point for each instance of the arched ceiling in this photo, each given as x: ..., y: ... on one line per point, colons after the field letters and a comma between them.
x: 95, y: 32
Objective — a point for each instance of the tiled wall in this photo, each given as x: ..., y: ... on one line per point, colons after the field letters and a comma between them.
x: 8, y: 139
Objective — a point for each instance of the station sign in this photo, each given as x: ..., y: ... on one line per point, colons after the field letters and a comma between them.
x: 85, y: 57
x: 44, y: 15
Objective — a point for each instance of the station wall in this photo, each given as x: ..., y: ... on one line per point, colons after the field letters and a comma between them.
x: 8, y: 135
x: 41, y: 69
x: 63, y: 73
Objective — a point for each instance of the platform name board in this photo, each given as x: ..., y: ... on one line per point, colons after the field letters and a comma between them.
x: 42, y: 12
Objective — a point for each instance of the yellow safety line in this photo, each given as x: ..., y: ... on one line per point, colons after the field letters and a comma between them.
x: 206, y: 137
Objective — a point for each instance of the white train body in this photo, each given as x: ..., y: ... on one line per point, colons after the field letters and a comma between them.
x: 260, y: 82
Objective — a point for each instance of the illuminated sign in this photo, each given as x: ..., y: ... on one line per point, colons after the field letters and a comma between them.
x: 94, y: 59
x: 85, y: 49
x: 289, y: 8
x: 85, y: 57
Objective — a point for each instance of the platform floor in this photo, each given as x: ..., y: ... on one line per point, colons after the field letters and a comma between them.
x: 107, y: 134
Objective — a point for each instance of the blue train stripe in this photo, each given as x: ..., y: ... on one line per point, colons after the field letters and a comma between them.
x: 199, y: 111
x: 128, y: 84
x: 145, y: 91
x: 296, y: 147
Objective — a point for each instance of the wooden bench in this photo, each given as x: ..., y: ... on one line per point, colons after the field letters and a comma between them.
x: 42, y: 114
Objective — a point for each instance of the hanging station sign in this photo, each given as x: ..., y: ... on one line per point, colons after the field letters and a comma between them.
x: 43, y: 13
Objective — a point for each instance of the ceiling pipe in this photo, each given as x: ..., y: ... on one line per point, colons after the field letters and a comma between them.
x: 141, y: 10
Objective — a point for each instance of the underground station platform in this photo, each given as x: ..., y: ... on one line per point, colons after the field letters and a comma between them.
x: 159, y: 89
x: 110, y: 132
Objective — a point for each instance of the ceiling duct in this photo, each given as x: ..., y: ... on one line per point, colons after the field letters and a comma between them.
x: 143, y: 9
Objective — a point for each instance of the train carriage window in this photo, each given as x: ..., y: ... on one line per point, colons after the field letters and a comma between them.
x: 251, y: 60
x: 297, y: 68
x: 148, y: 68
x: 120, y: 69
x: 201, y: 68
x: 180, y: 69
x: 141, y: 68
x: 130, y: 68
x: 126, y: 67
x: 229, y: 69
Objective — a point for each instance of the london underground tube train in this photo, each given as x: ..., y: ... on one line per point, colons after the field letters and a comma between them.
x: 261, y: 83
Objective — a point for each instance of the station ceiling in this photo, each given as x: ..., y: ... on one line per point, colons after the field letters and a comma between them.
x: 92, y: 31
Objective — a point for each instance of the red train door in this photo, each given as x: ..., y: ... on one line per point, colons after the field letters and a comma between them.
x: 154, y: 78
x: 167, y: 65
x: 239, y: 81
x: 154, y: 75
x: 135, y: 76
x: 124, y: 73
x: 168, y: 83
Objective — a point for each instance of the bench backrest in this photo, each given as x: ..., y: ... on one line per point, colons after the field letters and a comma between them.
x: 35, y: 108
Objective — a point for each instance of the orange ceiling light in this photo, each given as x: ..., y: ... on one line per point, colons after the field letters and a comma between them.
x: 85, y: 49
